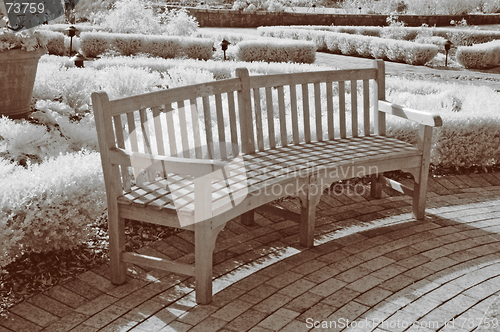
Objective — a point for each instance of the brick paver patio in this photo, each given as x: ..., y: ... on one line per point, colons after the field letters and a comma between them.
x: 372, y: 264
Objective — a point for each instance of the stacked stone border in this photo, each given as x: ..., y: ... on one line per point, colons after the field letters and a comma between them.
x: 239, y: 19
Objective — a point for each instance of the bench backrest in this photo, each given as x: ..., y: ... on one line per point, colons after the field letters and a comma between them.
x: 254, y: 113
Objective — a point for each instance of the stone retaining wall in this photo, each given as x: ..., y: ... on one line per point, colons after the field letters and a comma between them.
x: 240, y: 19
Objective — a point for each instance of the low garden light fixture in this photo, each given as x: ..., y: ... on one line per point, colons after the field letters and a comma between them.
x: 224, y: 44
x: 78, y: 60
x: 71, y: 33
x: 447, y: 45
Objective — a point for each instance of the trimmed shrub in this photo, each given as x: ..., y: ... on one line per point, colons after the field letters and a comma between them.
x: 55, y: 42
x: 93, y: 44
x: 379, y: 48
x: 128, y: 44
x: 50, y: 205
x: 162, y: 47
x: 458, y: 36
x: 275, y: 50
x: 479, y: 56
x: 197, y: 48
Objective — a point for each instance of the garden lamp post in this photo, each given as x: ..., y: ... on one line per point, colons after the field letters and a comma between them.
x: 447, y: 46
x: 78, y: 60
x: 224, y: 44
x: 71, y: 33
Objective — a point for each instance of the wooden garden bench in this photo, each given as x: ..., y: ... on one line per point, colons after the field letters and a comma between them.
x: 231, y: 146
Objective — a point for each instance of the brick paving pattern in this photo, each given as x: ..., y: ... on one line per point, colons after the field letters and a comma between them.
x: 372, y: 264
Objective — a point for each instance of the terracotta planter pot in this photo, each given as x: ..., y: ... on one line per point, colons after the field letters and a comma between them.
x: 17, y: 77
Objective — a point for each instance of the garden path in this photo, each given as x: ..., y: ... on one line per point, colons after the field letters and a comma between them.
x: 371, y: 263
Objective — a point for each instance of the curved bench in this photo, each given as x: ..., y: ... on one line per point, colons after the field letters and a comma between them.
x: 195, y: 157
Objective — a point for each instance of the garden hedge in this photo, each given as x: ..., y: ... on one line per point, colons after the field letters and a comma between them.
x: 275, y: 50
x: 358, y: 45
x: 480, y: 56
x: 93, y: 44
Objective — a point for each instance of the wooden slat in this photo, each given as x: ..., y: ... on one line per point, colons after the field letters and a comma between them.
x: 354, y: 108
x: 245, y: 110
x: 329, y: 110
x: 207, y: 116
x: 379, y: 94
x: 158, y: 263
x: 120, y: 142
x: 158, y: 98
x: 342, y: 123
x: 282, y: 115
x: 258, y: 119
x: 160, y: 148
x: 172, y: 141
x: 294, y: 112
x: 366, y: 107
x: 132, y: 133
x: 317, y: 106
x: 270, y: 117
x: 146, y: 137
x: 196, y: 127
x: 312, y: 77
x: 232, y: 117
x: 220, y: 126
x: 305, y: 107
x: 183, y: 128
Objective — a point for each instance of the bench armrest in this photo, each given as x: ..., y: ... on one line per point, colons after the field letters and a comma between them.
x: 181, y: 166
x: 422, y: 117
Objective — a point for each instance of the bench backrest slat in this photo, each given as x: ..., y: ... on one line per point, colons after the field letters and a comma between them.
x: 366, y: 107
x: 196, y: 127
x: 329, y: 110
x: 258, y: 119
x: 317, y: 107
x: 306, y: 112
x: 354, y: 106
x: 282, y: 115
x: 270, y: 117
x: 172, y: 141
x: 342, y: 119
x: 295, y: 119
x: 181, y: 111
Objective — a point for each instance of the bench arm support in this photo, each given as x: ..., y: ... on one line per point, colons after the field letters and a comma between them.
x: 181, y: 166
x: 421, y: 117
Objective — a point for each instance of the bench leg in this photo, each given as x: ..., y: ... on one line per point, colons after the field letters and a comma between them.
x: 248, y: 218
x: 205, y: 238
x: 118, y: 268
x: 308, y: 201
x: 376, y: 186
x: 420, y: 188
